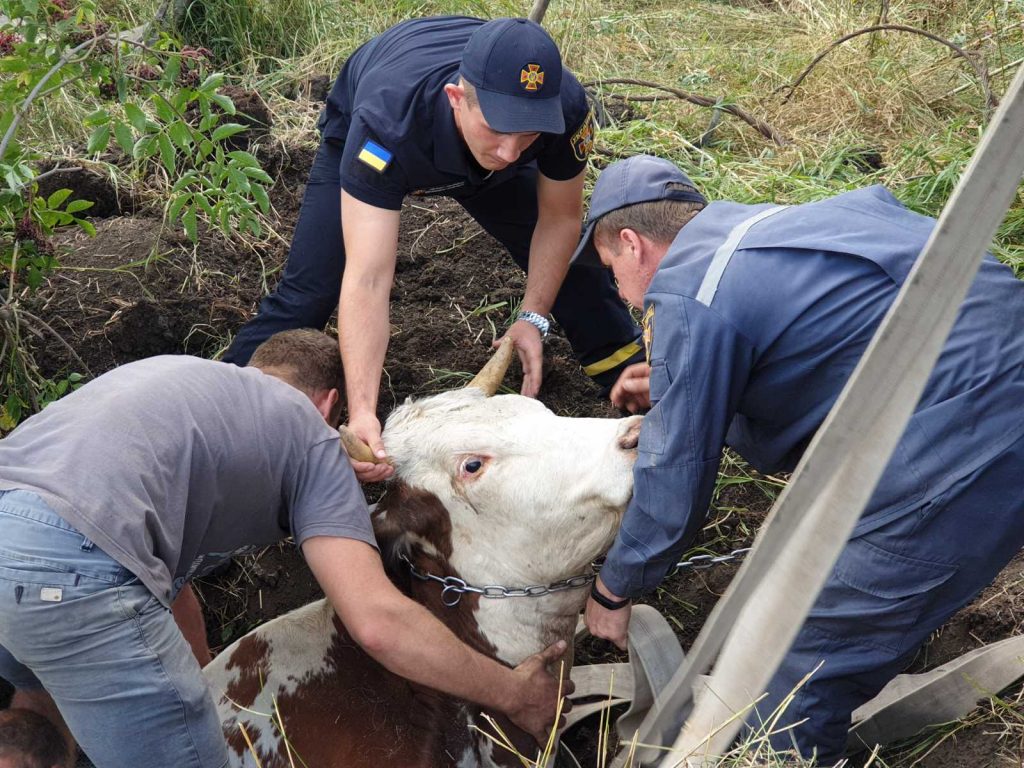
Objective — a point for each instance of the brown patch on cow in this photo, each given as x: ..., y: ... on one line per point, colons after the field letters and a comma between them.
x: 236, y: 740
x: 354, y: 713
x: 357, y: 714
x: 404, y: 510
x: 251, y: 659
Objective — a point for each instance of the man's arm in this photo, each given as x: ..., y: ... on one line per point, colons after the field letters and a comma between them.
x: 699, y: 368
x: 371, y: 247
x: 189, y: 618
x: 410, y: 641
x: 559, y: 213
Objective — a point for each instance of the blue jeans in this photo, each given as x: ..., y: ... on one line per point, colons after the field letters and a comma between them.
x: 77, y: 623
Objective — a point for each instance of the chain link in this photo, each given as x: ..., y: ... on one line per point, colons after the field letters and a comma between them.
x: 453, y: 588
x: 703, y: 562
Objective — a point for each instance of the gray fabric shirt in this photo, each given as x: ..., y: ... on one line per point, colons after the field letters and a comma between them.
x: 174, y: 464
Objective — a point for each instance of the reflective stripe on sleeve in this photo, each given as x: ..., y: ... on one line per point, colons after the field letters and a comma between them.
x: 709, y: 286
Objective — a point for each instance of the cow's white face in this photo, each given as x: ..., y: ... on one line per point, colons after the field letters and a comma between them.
x: 531, y: 496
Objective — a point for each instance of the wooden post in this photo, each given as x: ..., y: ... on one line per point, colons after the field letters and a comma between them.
x: 540, y: 7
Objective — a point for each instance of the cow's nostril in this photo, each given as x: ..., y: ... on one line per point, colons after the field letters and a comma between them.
x: 631, y: 437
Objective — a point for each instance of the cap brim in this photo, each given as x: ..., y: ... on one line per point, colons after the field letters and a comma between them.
x: 586, y: 254
x: 520, y: 114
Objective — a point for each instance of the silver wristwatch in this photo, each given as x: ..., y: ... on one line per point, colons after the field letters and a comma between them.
x: 538, y: 321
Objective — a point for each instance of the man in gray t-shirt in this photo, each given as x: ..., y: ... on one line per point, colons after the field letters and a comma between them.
x: 114, y: 497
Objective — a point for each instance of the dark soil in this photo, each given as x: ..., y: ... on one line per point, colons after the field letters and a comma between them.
x: 136, y: 290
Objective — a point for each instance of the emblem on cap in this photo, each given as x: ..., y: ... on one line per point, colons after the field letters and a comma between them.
x: 532, y: 77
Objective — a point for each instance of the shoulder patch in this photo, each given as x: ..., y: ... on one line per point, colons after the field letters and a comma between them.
x: 648, y: 325
x: 375, y: 156
x: 583, y: 140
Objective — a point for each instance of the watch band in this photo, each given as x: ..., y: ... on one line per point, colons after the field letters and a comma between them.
x: 606, y: 602
x: 537, y: 320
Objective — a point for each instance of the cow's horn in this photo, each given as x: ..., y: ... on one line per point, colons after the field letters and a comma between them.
x: 356, y: 448
x: 491, y: 375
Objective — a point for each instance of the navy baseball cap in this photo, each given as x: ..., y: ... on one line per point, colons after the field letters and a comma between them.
x: 517, y: 72
x: 638, y: 179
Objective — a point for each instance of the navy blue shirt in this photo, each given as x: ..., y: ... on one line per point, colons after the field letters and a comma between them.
x: 391, y: 93
x: 759, y: 365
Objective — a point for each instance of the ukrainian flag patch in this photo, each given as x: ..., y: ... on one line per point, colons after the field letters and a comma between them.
x: 375, y: 156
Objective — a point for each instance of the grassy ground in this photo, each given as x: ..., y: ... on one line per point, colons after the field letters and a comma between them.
x: 892, y: 107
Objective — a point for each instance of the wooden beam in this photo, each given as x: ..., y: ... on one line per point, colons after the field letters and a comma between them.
x: 540, y: 7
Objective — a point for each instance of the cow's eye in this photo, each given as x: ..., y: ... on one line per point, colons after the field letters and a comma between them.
x: 472, y: 467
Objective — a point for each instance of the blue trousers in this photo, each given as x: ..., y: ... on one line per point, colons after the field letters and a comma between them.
x: 890, y: 589
x: 588, y: 308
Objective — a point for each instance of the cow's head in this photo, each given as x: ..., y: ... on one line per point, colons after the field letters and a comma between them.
x: 529, y: 496
x: 500, y: 487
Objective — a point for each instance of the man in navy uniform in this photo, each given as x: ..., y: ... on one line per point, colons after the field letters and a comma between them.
x: 754, y: 318
x: 482, y: 112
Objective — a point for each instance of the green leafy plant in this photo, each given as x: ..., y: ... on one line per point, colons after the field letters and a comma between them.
x: 158, y: 106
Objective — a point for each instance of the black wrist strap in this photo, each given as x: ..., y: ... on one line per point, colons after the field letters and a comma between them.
x: 606, y: 602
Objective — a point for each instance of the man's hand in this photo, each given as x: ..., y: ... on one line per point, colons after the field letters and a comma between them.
x: 632, y: 392
x: 528, y: 343
x: 608, y: 625
x: 534, y: 705
x: 367, y: 428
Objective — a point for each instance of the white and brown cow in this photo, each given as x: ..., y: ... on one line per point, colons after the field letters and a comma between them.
x: 492, y: 490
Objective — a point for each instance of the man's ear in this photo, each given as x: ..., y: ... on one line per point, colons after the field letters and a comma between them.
x: 328, y: 402
x: 455, y: 93
x: 631, y: 245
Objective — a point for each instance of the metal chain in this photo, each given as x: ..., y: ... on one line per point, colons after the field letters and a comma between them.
x: 703, y: 562
x: 453, y: 588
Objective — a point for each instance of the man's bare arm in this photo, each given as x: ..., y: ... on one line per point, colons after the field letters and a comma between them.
x: 411, y: 642
x: 560, y: 211
x: 371, y: 246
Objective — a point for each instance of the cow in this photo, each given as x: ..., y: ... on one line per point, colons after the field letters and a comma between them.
x: 489, y: 491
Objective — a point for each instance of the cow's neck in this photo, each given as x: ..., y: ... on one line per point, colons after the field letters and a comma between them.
x: 509, y: 628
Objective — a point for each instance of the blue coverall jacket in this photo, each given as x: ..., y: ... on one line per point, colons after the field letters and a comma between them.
x: 759, y: 368
x: 750, y: 343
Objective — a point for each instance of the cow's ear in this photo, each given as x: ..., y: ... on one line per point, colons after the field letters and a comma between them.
x: 387, y: 523
x: 390, y: 535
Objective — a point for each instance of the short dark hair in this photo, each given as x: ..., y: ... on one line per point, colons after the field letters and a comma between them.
x: 29, y: 740
x: 308, y: 360
x: 658, y: 220
x: 470, y: 92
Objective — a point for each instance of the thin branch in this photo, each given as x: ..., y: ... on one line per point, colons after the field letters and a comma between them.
x: 965, y: 86
x: 61, y: 63
x: 20, y: 315
x: 51, y: 172
x: 702, y: 101
x: 976, y: 65
x: 883, y: 18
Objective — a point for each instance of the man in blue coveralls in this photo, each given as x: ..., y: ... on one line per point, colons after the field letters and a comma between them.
x: 754, y: 318
x: 482, y: 112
